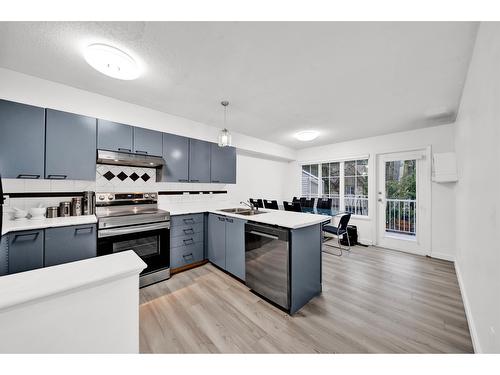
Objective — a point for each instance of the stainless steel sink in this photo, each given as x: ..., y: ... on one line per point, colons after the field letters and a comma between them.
x: 242, y: 211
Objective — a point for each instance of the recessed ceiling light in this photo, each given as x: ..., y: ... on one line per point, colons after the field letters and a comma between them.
x: 307, y: 135
x: 112, y: 61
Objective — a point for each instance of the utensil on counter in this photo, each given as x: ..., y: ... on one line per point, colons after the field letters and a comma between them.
x: 52, y: 212
x: 65, y: 209
x: 76, y: 206
x: 88, y: 203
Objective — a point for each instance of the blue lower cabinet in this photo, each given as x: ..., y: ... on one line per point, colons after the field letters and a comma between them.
x: 25, y: 250
x: 185, y: 255
x: 69, y: 244
x: 4, y: 255
x: 187, y: 240
x: 226, y: 244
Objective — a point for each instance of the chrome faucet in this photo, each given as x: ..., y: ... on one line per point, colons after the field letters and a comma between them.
x: 252, y: 207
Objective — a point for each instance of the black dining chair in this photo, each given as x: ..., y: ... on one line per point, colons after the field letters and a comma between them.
x: 302, y: 201
x: 324, y: 203
x: 272, y: 205
x: 292, y: 206
x: 257, y: 203
x: 309, y: 203
x: 338, y: 231
x: 295, y: 199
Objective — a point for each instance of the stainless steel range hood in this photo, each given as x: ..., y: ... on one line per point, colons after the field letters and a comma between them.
x: 128, y: 159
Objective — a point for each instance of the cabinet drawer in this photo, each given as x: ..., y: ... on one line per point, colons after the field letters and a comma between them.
x: 25, y: 250
x: 186, y: 240
x: 186, y: 230
x: 186, y: 219
x: 185, y: 255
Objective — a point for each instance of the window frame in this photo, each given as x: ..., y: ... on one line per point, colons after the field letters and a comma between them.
x: 341, y: 177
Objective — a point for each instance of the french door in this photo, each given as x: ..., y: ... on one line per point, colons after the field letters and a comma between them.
x: 403, y: 202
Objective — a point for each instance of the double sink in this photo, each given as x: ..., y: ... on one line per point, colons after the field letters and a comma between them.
x: 242, y: 211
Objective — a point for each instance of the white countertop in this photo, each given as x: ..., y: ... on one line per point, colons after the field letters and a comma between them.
x: 28, y: 224
x: 25, y: 287
x: 286, y: 219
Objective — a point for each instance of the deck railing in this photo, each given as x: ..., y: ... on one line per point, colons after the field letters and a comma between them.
x: 401, y: 216
x: 356, y: 204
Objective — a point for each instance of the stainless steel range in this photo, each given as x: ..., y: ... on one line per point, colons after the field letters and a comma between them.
x: 132, y: 221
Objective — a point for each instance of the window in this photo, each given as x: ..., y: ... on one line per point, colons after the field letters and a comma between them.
x: 356, y: 187
x: 346, y: 183
x: 330, y: 175
x: 310, y: 180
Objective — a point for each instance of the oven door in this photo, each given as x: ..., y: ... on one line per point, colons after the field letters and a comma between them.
x: 151, y: 242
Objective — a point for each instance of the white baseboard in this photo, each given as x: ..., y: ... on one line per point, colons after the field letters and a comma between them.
x: 365, y: 241
x: 468, y: 313
x: 443, y: 256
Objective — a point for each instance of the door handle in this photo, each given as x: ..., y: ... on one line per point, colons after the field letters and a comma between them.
x: 380, y: 200
x: 57, y: 176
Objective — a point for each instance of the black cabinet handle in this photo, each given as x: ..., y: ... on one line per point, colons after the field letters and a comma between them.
x: 216, y: 181
x: 229, y: 220
x: 89, y: 229
x: 190, y: 255
x: 183, y: 180
x: 124, y: 149
x: 188, y: 231
x: 190, y: 220
x: 141, y: 152
x: 57, y: 176
x: 33, y: 176
x: 26, y: 236
x: 189, y: 241
x: 194, y: 180
x: 221, y: 218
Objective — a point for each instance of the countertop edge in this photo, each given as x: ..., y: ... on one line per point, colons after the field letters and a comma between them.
x: 28, y: 224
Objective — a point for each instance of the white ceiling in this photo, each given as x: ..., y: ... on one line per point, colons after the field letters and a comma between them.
x: 345, y: 79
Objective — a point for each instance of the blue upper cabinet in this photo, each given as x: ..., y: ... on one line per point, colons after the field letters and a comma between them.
x: 199, y: 161
x: 147, y: 142
x: 176, y: 156
x: 70, y: 146
x: 22, y: 135
x: 223, y: 164
x: 114, y: 136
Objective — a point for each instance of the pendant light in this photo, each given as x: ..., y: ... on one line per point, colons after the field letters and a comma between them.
x: 224, y: 135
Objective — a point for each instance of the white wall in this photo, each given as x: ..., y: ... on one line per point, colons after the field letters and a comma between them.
x: 255, y: 156
x: 477, y: 204
x: 440, y: 138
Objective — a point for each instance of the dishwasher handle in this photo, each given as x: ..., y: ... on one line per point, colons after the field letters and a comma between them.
x: 264, y: 235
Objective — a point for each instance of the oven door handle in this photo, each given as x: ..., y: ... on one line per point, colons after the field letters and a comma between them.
x: 132, y: 229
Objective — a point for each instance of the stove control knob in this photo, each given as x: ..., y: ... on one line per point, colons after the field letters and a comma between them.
x: 111, y: 197
x: 101, y: 197
x: 146, y: 195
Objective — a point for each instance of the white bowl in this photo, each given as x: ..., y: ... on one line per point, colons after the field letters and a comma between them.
x: 37, y: 212
x: 19, y: 214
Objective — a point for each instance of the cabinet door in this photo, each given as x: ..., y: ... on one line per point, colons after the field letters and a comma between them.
x: 235, y: 247
x: 199, y: 161
x: 4, y: 255
x: 22, y: 140
x: 176, y: 155
x: 114, y: 136
x: 25, y: 250
x: 69, y: 244
x: 222, y: 164
x: 217, y: 240
x: 70, y: 146
x: 147, y: 142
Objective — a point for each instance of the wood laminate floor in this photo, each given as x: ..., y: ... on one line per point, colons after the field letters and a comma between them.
x: 374, y: 301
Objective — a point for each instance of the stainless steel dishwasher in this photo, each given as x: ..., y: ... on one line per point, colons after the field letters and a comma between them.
x: 267, y: 257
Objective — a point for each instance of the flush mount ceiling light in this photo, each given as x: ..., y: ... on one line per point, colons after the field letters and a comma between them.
x: 112, y: 61
x: 307, y: 135
x: 224, y: 135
